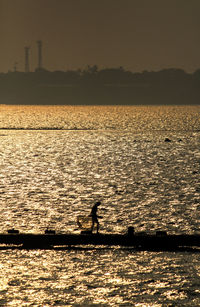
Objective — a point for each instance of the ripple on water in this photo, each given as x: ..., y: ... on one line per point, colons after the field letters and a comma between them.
x: 47, y: 178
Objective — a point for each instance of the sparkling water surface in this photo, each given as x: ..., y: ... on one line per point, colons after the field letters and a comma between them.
x: 56, y: 161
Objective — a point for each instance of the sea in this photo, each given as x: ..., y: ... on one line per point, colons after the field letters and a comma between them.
x: 141, y: 162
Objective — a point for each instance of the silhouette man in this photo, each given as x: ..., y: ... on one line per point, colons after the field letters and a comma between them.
x: 94, y: 216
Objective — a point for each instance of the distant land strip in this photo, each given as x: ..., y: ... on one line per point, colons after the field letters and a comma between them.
x: 111, y: 86
x: 87, y: 129
x: 47, y: 128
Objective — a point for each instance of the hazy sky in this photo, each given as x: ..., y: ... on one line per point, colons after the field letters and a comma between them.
x: 136, y: 34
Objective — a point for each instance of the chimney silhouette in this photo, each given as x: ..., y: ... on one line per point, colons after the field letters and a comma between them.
x: 39, y: 43
x: 26, y: 49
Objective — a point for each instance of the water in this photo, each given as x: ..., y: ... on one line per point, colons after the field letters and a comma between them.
x: 114, y: 154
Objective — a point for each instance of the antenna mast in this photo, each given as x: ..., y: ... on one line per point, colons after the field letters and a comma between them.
x: 39, y: 43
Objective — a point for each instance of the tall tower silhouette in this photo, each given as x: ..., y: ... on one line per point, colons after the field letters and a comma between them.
x: 15, y: 66
x: 26, y: 49
x: 39, y: 43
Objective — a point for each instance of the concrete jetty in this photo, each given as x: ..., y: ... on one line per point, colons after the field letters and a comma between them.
x: 160, y: 240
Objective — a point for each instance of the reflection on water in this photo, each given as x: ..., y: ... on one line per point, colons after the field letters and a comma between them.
x: 137, y: 118
x: 47, y: 178
x: 112, y: 277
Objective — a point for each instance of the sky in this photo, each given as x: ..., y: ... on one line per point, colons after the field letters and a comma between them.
x: 136, y: 34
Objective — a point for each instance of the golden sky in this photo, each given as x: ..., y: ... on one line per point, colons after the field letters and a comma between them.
x: 136, y: 34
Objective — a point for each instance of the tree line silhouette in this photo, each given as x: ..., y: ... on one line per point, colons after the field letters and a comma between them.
x: 111, y: 85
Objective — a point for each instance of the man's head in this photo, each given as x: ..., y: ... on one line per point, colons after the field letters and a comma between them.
x: 98, y: 203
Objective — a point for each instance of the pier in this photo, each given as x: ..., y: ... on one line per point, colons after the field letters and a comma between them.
x: 158, y: 241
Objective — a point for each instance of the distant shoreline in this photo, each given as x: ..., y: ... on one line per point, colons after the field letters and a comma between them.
x: 113, y: 86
